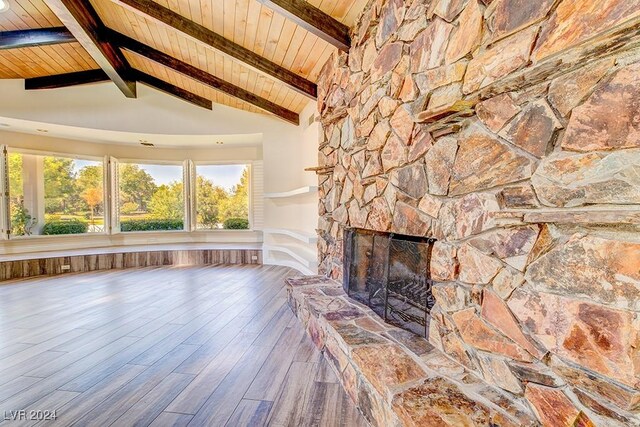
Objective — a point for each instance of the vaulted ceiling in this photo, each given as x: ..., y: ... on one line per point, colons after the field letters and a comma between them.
x: 257, y: 55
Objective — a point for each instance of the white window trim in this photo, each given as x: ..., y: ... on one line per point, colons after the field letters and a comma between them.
x: 46, y: 153
x: 194, y: 181
x: 116, y: 194
x: 6, y: 213
x: 5, y: 210
x: 111, y: 194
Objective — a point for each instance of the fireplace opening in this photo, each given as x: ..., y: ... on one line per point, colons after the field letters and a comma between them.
x: 390, y: 274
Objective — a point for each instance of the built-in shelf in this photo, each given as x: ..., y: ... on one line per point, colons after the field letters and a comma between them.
x: 294, y: 253
x: 294, y: 234
x: 295, y: 192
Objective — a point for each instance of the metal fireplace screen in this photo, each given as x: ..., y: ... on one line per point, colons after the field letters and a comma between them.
x: 390, y: 273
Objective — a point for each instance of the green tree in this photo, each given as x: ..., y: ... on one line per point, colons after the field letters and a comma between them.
x: 128, y: 208
x: 90, y: 185
x: 16, y: 188
x: 59, y: 184
x: 93, y: 198
x: 237, y: 204
x: 167, y: 202
x: 136, y: 185
x: 90, y: 177
x: 210, y: 199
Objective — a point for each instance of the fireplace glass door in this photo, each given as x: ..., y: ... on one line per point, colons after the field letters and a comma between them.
x: 390, y: 274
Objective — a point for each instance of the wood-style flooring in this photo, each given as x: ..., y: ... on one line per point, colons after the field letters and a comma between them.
x: 197, y: 346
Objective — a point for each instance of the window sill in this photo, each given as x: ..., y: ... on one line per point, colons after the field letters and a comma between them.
x: 126, y: 233
x: 229, y: 239
x: 38, y: 254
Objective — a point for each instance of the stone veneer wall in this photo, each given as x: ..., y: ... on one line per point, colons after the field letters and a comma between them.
x: 510, y: 131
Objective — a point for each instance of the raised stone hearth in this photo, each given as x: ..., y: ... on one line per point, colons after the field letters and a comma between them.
x: 398, y: 378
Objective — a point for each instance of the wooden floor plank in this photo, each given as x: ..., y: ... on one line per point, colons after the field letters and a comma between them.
x: 35, y: 350
x: 250, y: 413
x: 267, y: 382
x: 147, y: 409
x: 171, y: 419
x: 226, y: 397
x: 122, y: 400
x: 50, y: 403
x: 199, y: 346
x: 16, y: 386
x: 200, y: 389
x: 328, y: 404
x: 95, y: 395
x: 117, y: 361
x: 49, y: 384
x: 293, y: 395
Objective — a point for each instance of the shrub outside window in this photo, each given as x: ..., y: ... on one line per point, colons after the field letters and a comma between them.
x: 53, y: 195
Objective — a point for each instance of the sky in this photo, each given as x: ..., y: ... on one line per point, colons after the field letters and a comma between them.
x: 225, y: 176
x: 79, y: 164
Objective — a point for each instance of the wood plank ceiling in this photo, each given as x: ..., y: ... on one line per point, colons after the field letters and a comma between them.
x: 255, y: 28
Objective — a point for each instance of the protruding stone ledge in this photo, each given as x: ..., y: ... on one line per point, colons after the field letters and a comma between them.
x: 613, y: 215
x: 396, y: 378
x: 623, y: 37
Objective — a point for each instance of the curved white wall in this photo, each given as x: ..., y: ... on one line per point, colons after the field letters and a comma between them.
x: 285, y: 149
x: 102, y: 106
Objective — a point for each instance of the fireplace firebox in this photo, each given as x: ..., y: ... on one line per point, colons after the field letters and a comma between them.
x: 390, y: 274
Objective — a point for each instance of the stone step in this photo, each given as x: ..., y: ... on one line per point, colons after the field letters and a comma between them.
x: 395, y: 377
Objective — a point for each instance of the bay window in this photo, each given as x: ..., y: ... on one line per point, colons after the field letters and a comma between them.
x: 62, y: 194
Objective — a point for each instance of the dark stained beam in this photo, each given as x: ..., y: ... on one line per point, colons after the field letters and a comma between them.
x: 66, y: 80
x: 163, y: 86
x: 35, y: 37
x: 96, y: 76
x: 313, y: 20
x: 218, y: 42
x: 83, y: 22
x: 202, y: 76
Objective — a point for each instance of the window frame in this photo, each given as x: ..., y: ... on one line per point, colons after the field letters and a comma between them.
x: 111, y: 191
x: 116, y: 194
x: 194, y: 181
x: 6, y: 213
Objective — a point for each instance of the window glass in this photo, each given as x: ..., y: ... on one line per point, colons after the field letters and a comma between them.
x: 52, y: 195
x: 150, y: 197
x: 222, y: 197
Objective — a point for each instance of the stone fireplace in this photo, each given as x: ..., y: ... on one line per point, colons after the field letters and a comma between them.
x: 390, y: 274
x: 509, y: 131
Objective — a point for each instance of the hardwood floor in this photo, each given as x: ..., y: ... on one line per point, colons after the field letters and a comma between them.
x: 196, y: 346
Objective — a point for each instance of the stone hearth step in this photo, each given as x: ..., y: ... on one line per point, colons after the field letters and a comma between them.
x: 396, y: 378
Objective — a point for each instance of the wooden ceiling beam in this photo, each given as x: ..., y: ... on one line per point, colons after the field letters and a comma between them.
x: 202, y: 76
x: 98, y: 75
x: 66, y: 80
x: 35, y: 37
x: 83, y: 22
x: 176, y: 91
x: 218, y: 42
x: 313, y: 20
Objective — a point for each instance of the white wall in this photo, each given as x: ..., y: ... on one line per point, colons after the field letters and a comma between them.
x: 286, y: 162
x: 70, y: 146
x: 285, y: 149
x: 102, y: 106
